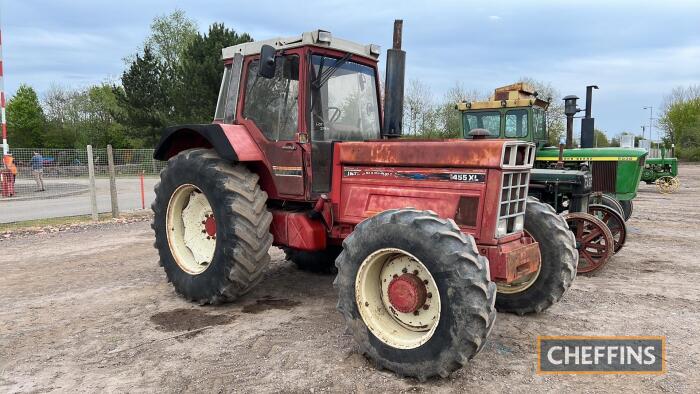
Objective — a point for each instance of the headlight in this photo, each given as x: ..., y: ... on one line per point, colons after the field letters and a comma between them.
x: 502, y: 228
x: 518, y: 225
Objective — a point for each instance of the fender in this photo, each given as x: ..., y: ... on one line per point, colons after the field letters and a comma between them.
x: 232, y: 142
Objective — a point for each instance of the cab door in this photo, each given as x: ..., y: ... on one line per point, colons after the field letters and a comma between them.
x: 271, y: 105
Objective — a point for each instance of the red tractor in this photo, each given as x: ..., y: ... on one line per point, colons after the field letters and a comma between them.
x: 424, y: 234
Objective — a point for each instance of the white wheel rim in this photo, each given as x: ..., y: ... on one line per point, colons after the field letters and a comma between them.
x: 189, y: 227
x: 394, y: 328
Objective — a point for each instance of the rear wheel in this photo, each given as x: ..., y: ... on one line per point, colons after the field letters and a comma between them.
x: 211, y: 226
x: 540, y: 290
x: 322, y: 262
x: 613, y: 221
x: 415, y: 293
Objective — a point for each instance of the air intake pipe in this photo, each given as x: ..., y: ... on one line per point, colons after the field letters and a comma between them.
x: 588, y: 122
x: 394, y: 86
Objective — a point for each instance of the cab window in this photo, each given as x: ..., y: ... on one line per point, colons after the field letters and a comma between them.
x: 489, y: 120
x: 272, y: 103
x: 540, y: 121
x: 516, y: 123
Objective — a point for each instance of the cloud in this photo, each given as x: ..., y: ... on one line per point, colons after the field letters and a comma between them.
x: 494, y: 18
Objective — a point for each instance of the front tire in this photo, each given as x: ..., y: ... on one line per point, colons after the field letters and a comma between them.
x: 211, y: 227
x: 435, y: 260
x: 557, y: 271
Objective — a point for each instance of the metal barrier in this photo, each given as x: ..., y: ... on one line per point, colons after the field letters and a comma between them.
x: 53, y: 183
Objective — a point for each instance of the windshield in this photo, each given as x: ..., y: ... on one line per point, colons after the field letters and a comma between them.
x: 344, y: 107
x: 489, y: 120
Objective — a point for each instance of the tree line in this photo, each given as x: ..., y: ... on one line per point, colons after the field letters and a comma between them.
x: 173, y: 78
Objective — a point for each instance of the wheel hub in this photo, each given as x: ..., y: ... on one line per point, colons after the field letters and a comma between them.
x: 407, y: 293
x: 210, y: 225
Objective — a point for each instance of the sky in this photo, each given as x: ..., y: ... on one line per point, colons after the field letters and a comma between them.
x: 636, y: 52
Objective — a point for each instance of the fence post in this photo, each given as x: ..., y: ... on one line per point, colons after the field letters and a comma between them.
x: 112, y: 182
x: 93, y: 190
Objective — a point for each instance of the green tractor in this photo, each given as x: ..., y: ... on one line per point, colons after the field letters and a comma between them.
x: 662, y: 171
x: 594, y: 186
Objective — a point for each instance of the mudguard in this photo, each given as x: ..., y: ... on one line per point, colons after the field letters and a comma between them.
x: 231, y: 142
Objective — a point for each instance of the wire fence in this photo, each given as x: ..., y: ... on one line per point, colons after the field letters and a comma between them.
x: 50, y: 183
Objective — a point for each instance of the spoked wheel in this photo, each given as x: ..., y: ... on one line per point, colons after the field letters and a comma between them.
x: 668, y: 184
x: 594, y: 241
x: 609, y: 200
x: 613, y: 220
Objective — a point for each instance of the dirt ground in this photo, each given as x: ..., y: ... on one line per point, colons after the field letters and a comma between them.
x: 90, y: 310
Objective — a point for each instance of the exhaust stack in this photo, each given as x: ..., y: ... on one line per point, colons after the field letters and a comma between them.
x: 394, y: 85
x: 588, y: 122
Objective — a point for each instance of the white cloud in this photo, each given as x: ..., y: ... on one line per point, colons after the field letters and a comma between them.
x: 494, y: 18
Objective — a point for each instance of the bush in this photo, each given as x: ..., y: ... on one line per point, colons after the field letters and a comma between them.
x: 689, y: 153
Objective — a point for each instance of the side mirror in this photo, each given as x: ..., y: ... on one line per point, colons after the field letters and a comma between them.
x: 266, y: 68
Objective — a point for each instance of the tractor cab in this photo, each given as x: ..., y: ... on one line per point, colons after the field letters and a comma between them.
x: 513, y: 112
x: 298, y: 96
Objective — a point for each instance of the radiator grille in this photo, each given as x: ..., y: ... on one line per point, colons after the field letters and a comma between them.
x: 513, y: 199
x: 604, y: 176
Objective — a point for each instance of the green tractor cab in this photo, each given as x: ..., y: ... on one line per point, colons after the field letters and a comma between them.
x: 515, y: 112
x: 589, y: 186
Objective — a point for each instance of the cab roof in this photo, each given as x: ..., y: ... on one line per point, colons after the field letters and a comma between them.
x: 319, y: 38
x: 510, y: 96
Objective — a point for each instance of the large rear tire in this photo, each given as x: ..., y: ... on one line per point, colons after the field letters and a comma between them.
x: 211, y: 226
x: 559, y: 259
x: 434, y: 259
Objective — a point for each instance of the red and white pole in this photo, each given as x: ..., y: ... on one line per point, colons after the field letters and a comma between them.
x: 5, y: 147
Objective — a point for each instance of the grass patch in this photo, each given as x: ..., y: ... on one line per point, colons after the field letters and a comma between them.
x: 62, y: 221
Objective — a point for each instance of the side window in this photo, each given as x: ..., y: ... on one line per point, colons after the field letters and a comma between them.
x: 489, y: 120
x: 516, y: 123
x: 273, y: 103
x: 221, y: 102
x: 540, y: 124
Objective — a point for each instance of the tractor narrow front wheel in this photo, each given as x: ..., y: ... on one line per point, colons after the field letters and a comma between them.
x: 211, y: 226
x: 594, y: 241
x: 415, y: 293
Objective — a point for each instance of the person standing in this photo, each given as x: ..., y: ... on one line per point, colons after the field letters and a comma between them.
x: 38, y: 170
x: 9, y: 162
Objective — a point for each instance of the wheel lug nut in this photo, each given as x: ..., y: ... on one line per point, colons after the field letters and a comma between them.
x: 425, y: 307
x: 416, y: 313
x: 404, y: 270
x: 415, y: 272
x: 208, y: 237
x: 204, y: 231
x: 430, y: 295
x: 425, y: 282
x: 204, y: 222
x: 395, y: 276
x: 366, y: 303
x: 213, y: 237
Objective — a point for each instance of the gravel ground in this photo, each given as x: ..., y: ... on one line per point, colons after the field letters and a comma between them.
x: 90, y: 310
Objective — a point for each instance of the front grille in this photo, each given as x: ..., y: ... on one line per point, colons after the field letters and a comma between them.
x: 513, y: 198
x: 604, y: 176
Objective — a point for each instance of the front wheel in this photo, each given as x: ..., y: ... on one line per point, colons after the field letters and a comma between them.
x: 541, y: 289
x: 415, y: 293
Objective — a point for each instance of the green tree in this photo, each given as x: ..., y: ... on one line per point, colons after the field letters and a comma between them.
x: 201, y: 71
x: 143, y: 99
x: 25, y: 119
x: 601, y: 139
x: 170, y: 37
x: 680, y: 120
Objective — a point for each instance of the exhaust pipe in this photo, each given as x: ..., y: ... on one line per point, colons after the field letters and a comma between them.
x: 394, y: 85
x: 588, y: 122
